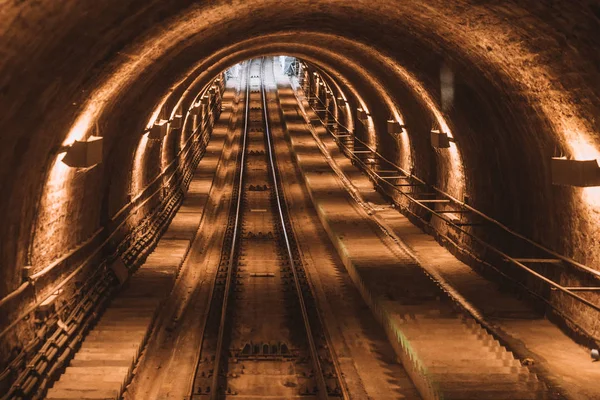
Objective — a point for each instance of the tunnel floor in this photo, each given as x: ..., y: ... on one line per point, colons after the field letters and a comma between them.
x: 394, y: 314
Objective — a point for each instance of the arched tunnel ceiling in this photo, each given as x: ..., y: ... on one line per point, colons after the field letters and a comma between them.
x: 529, y: 73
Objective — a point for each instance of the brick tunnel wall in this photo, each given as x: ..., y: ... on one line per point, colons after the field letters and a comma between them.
x: 527, y: 75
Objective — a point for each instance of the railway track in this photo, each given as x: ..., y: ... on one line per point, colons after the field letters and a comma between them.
x: 264, y: 338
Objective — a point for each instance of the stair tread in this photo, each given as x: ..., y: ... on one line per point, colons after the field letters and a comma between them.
x: 99, y: 370
x: 101, y: 363
x: 88, y: 356
x: 55, y: 394
x: 492, y: 394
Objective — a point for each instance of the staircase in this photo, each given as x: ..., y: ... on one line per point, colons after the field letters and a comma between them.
x: 108, y: 354
x: 463, y: 361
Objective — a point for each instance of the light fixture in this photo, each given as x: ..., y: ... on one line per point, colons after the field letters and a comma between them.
x: 27, y: 272
x: 84, y: 154
x: 47, y: 307
x: 394, y: 127
x: 176, y: 122
x: 440, y: 140
x: 158, y: 130
x: 582, y: 173
x: 195, y: 110
x: 361, y: 114
x: 120, y: 270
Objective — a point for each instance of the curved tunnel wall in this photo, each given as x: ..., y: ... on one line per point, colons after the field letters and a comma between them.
x: 527, y: 89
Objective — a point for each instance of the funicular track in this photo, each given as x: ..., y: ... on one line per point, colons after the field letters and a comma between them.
x: 263, y: 337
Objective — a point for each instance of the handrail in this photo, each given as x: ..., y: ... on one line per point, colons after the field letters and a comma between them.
x: 32, y: 280
x: 567, y: 290
x: 566, y: 259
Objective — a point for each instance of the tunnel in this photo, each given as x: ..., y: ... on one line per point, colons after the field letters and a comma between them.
x: 420, y: 177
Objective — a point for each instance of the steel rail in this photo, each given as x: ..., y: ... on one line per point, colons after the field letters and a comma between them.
x: 488, y: 246
x: 94, y: 253
x: 322, y: 385
x: 568, y: 260
x: 553, y: 285
x: 192, y: 381
x: 238, y: 206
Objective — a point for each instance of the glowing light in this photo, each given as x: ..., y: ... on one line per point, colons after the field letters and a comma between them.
x: 138, y: 173
x: 82, y: 125
x: 52, y: 234
x: 582, y: 149
x: 454, y: 180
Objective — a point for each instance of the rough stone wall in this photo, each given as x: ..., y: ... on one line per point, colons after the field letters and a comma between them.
x: 528, y: 74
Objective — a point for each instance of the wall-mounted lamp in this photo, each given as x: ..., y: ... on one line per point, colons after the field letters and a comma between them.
x: 84, y: 154
x: 120, y: 270
x: 158, y: 130
x: 440, y: 140
x: 582, y: 173
x: 27, y: 272
x: 195, y: 110
x: 361, y: 114
x: 394, y: 127
x: 177, y: 121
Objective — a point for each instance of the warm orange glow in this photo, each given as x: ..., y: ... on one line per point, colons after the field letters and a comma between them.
x: 455, y: 179
x: 138, y: 173
x: 403, y: 140
x: 56, y: 194
x: 582, y: 149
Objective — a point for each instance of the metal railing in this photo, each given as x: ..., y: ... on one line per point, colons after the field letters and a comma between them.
x: 545, y: 256
x: 32, y: 370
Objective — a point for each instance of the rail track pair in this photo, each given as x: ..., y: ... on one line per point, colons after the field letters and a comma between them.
x: 263, y: 337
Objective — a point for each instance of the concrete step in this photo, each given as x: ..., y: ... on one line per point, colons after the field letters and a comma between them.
x: 102, y: 370
x: 488, y: 385
x: 63, y: 394
x: 101, y: 363
x: 492, y: 395
x: 450, y: 324
x: 121, y: 315
x: 116, y: 355
x: 101, y: 345
x: 142, y: 303
x: 467, y: 350
x: 468, y: 369
x: 511, y: 375
x: 449, y: 336
x: 124, y: 326
x: 98, y: 384
x: 120, y: 320
x: 458, y: 362
x: 87, y: 379
x: 117, y: 335
x: 119, y: 349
